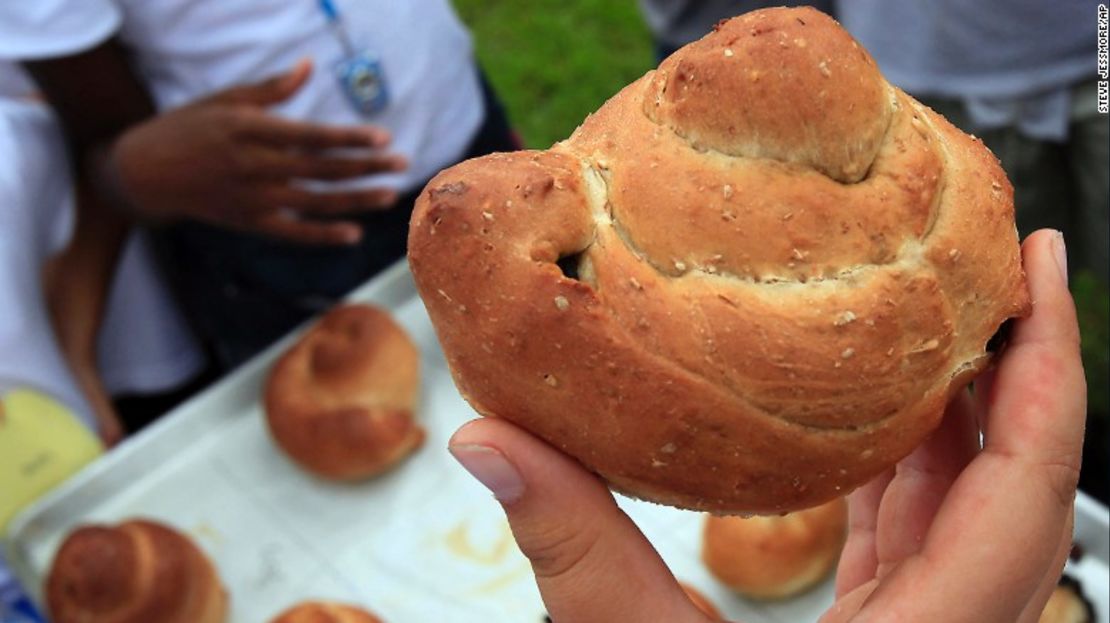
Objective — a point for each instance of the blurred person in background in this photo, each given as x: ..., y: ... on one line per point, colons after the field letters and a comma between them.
x: 1020, y: 75
x: 89, y: 323
x: 77, y: 325
x: 281, y: 184
x: 674, y: 23
x: 40, y: 389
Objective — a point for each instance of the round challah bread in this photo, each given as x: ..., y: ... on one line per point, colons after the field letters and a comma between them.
x: 136, y: 572
x: 341, y: 401
x: 321, y: 612
x: 748, y: 283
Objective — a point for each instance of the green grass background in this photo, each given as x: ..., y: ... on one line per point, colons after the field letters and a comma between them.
x: 552, y: 62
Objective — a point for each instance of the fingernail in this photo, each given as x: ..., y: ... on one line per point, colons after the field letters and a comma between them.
x: 490, y: 468
x: 1061, y: 251
x: 352, y: 235
x: 378, y: 137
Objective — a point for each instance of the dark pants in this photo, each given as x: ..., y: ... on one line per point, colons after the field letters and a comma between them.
x: 241, y: 292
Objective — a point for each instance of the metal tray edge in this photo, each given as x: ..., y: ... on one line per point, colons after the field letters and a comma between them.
x: 171, y: 429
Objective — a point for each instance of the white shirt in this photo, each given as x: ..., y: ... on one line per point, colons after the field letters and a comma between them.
x: 187, y: 49
x: 144, y: 344
x: 1012, y: 62
x: 29, y: 354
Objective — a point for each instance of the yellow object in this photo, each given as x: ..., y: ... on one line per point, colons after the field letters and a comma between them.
x: 41, y: 444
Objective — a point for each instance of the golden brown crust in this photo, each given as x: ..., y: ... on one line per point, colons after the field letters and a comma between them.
x: 781, y: 85
x: 775, y: 557
x: 763, y: 318
x: 1067, y: 605
x: 341, y: 401
x: 137, y: 572
x: 323, y: 612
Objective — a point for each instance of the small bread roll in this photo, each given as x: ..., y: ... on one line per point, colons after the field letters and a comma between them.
x: 748, y: 283
x: 323, y: 612
x: 341, y: 402
x: 777, y: 556
x: 701, y: 602
x: 1067, y: 604
x: 137, y: 572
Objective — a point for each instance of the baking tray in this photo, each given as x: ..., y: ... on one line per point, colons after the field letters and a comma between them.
x: 422, y: 543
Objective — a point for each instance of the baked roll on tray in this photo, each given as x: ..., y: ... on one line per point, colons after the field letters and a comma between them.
x: 748, y: 283
x: 341, y: 402
x: 139, y: 571
x: 325, y: 612
x: 1068, y: 604
x: 775, y: 557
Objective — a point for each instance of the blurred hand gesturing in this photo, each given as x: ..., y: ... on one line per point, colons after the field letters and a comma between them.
x: 226, y: 161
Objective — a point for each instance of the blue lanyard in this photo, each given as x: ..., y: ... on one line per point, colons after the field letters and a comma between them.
x: 335, y: 20
x: 330, y: 10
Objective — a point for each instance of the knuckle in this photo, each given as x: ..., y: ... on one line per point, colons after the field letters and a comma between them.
x: 340, y: 203
x: 1062, y: 478
x: 235, y: 118
x: 243, y: 162
x: 315, y: 236
x: 379, y: 199
x: 237, y: 216
x: 327, y: 169
x: 312, y: 202
x: 268, y: 85
x: 558, y: 550
x: 349, y: 167
x: 313, y: 137
x: 261, y: 200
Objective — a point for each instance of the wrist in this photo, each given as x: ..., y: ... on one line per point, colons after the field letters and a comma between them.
x: 108, y: 179
x: 113, y: 180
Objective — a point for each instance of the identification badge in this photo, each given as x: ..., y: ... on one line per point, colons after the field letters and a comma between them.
x: 362, y: 79
x: 360, y: 71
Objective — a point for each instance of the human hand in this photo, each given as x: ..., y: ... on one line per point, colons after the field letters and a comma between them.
x: 225, y: 160
x: 955, y: 532
x: 109, y: 428
x: 76, y: 284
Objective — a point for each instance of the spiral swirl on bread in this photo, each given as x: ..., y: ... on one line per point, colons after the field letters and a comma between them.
x: 748, y: 283
x: 323, y: 612
x: 137, y: 572
x: 341, y: 401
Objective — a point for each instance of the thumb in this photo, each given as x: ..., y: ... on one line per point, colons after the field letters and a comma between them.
x: 270, y: 91
x: 591, y: 562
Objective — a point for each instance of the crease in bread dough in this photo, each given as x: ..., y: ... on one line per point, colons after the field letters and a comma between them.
x: 910, y: 254
x: 941, y: 148
x: 594, y: 172
x: 702, y: 148
x: 597, y: 198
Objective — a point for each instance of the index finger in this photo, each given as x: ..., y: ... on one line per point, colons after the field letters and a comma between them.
x: 291, y: 134
x: 292, y: 229
x: 591, y: 562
